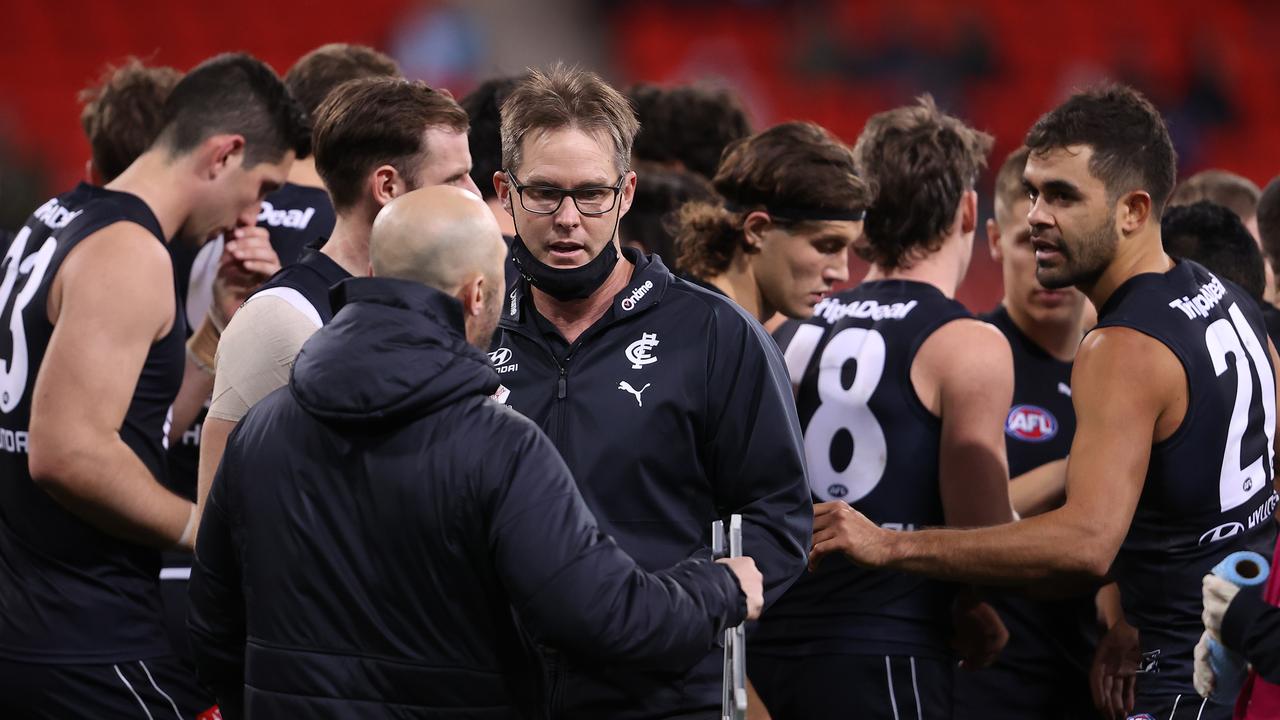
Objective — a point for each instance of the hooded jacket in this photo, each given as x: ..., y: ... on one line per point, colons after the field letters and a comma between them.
x: 374, y: 525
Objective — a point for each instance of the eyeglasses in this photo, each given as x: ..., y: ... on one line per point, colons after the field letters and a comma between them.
x: 546, y: 200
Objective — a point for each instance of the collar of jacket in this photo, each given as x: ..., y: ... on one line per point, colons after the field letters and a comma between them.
x: 648, y: 283
x: 412, y: 296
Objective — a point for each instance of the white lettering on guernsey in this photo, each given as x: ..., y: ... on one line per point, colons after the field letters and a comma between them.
x: 1264, y: 511
x: 629, y: 302
x: 296, y: 219
x: 13, y: 441
x: 54, y: 215
x: 833, y: 310
x: 1211, y: 293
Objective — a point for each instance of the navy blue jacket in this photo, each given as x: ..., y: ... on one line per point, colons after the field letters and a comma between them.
x: 374, y: 525
x: 673, y: 410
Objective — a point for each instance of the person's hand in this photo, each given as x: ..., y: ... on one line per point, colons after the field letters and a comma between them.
x: 839, y: 528
x: 247, y: 261
x: 980, y: 634
x: 751, y: 581
x: 1203, y: 677
x: 1114, y: 675
x: 1218, y: 594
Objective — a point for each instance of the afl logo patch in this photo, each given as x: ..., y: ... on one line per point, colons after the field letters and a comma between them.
x: 1031, y: 424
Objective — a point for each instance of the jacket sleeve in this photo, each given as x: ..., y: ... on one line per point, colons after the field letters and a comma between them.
x: 573, y: 587
x: 215, y: 615
x: 754, y: 454
x: 1251, y: 627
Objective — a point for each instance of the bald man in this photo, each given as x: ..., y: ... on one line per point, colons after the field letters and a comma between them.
x: 376, y: 523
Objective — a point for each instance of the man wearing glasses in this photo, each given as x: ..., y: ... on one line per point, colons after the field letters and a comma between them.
x: 670, y: 405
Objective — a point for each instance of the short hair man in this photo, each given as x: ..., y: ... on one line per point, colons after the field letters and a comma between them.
x: 94, y: 357
x: 1163, y: 390
x: 669, y: 404
x: 427, y: 512
x: 903, y: 394
x: 1044, y: 670
x: 375, y: 139
x: 122, y: 116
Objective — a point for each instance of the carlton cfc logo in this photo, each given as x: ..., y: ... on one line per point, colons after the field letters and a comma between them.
x: 1031, y: 423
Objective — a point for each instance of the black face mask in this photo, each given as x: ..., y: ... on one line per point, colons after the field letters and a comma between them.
x: 565, y: 283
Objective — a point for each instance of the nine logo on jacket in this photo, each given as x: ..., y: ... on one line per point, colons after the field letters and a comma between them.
x: 1031, y: 423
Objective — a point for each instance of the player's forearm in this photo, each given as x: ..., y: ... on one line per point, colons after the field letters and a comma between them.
x: 1107, y: 604
x: 1039, y: 490
x: 213, y: 443
x: 197, y: 385
x: 104, y: 483
x: 1049, y: 546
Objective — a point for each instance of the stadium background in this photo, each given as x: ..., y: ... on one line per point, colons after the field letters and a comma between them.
x: 1213, y: 68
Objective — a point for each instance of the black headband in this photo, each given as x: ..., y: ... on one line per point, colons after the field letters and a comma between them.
x: 791, y: 212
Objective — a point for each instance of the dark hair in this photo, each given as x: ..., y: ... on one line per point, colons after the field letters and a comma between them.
x: 1269, y: 221
x: 1214, y: 236
x: 689, y: 124
x: 1009, y: 190
x: 377, y: 121
x: 317, y: 73
x: 239, y: 94
x: 921, y: 162
x: 1131, y: 145
x: 660, y: 193
x: 484, y: 107
x: 1234, y: 192
x: 124, y: 113
x: 795, y: 164
x: 566, y: 97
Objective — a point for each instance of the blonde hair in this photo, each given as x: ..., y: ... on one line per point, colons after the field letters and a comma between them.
x: 567, y: 97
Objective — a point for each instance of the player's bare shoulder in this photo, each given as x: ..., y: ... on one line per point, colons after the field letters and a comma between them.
x: 963, y: 353
x: 119, y: 267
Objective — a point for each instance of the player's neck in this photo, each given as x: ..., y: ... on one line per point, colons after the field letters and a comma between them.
x: 942, y: 269
x: 163, y: 184
x: 573, y: 317
x: 1059, y: 339
x: 348, y: 245
x: 303, y: 172
x: 1142, y: 253
x: 739, y: 283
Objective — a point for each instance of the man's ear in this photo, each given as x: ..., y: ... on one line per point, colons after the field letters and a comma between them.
x: 386, y: 184
x: 753, y: 229
x: 969, y: 212
x: 628, y: 193
x: 219, y: 153
x: 471, y: 295
x: 993, y: 241
x: 503, y: 188
x: 1134, y: 211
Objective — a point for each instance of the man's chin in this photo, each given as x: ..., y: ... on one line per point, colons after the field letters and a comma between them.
x: 1055, y: 278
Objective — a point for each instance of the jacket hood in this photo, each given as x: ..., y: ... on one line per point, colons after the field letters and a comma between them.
x: 394, y: 349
